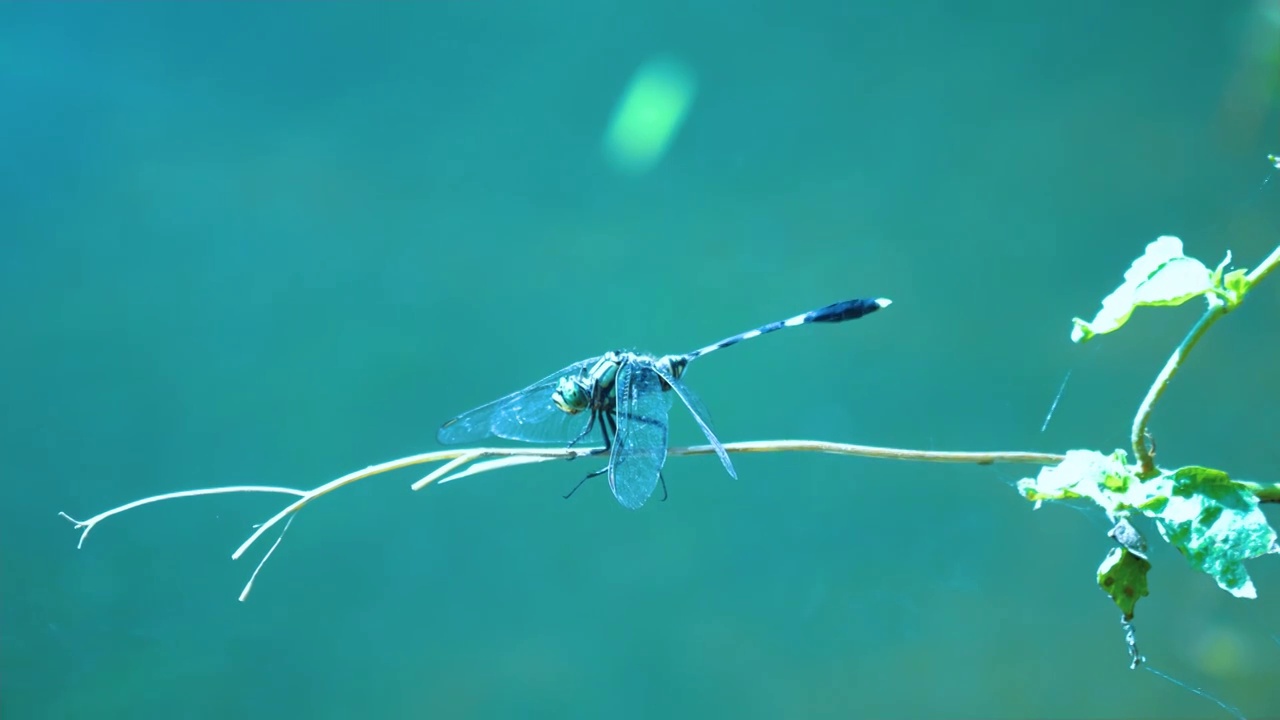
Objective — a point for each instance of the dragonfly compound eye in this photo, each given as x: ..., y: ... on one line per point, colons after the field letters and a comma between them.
x: 569, y: 396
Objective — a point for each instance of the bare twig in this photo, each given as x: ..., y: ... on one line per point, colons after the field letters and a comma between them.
x: 88, y: 524
x: 249, y: 585
x: 499, y: 458
x: 883, y: 453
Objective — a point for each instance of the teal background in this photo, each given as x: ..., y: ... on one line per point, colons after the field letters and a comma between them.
x: 275, y: 242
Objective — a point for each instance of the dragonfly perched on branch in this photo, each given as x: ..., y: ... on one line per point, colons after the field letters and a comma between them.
x: 627, y: 396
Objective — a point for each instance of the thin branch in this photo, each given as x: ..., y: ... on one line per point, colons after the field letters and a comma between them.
x: 458, y: 458
x: 442, y: 471
x: 88, y: 524
x: 347, y: 479
x: 249, y: 585
x: 883, y: 453
x: 508, y: 457
x: 476, y: 468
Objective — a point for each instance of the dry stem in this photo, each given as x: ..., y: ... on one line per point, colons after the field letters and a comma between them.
x: 507, y: 457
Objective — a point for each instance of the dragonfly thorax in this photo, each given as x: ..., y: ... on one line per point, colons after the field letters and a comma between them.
x: 575, y: 393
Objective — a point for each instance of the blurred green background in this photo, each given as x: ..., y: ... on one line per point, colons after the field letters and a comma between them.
x: 275, y: 242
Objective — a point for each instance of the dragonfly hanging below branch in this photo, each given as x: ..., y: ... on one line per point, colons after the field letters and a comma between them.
x: 626, y: 396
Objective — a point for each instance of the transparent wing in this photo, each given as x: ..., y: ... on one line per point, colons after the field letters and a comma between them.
x: 640, y: 446
x: 699, y: 412
x: 527, y: 415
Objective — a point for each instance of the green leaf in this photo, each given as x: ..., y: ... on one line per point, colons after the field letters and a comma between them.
x: 1236, y: 284
x: 1216, y: 279
x: 1123, y: 576
x: 1105, y: 479
x: 1275, y: 161
x: 1214, y: 522
x: 1162, y: 276
x: 1217, y: 525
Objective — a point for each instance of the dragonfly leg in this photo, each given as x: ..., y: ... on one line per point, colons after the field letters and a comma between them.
x: 611, y: 418
x: 591, y: 423
x: 608, y: 428
x: 602, y: 471
x: 590, y: 475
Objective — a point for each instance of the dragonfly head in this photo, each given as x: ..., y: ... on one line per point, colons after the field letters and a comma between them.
x: 571, y: 395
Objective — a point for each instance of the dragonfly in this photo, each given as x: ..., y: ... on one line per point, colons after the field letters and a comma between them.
x: 628, y: 396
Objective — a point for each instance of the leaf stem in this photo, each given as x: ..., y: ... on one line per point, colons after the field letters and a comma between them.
x: 1146, y: 463
x: 1265, y: 492
x: 1265, y: 268
x: 1217, y: 308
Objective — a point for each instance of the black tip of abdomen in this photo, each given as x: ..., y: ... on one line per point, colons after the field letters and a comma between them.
x: 847, y: 310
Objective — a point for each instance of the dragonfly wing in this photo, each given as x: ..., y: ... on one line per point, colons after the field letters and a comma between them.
x: 526, y: 415
x: 699, y: 412
x: 640, y: 445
